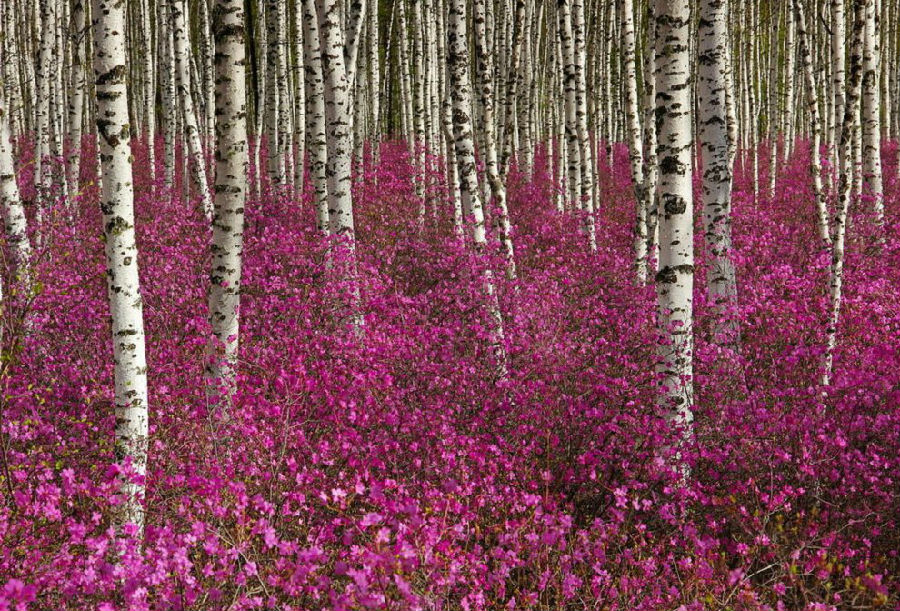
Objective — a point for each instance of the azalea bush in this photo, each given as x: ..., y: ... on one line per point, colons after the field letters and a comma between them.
x: 397, y: 469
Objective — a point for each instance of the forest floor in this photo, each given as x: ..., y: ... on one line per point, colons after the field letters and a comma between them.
x: 394, y: 470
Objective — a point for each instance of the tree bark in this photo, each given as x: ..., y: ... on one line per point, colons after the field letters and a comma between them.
x: 315, y: 113
x: 675, y: 278
x: 717, y: 169
x: 125, y: 303
x: 192, y: 129
x: 232, y: 161
x: 812, y: 98
x: 464, y: 147
x: 871, y: 109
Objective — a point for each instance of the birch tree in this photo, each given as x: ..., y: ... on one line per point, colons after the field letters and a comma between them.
x: 315, y: 112
x: 13, y: 211
x: 337, y: 114
x: 586, y: 156
x: 635, y: 143
x: 485, y: 70
x: 717, y: 170
x: 43, y: 173
x: 838, y: 61
x: 675, y: 278
x: 166, y: 56
x: 839, y: 223
x: 149, y: 82
x: 125, y: 303
x: 274, y: 61
x: 871, y: 112
x: 76, y: 99
x: 232, y: 161
x: 573, y: 144
x: 192, y: 129
x: 464, y: 148
x: 339, y: 137
x: 822, y: 222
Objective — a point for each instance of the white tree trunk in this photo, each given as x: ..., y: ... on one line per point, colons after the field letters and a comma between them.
x: 339, y: 136
x: 232, y: 161
x: 838, y: 59
x: 839, y: 225
x: 374, y: 68
x: 315, y: 112
x: 76, y: 99
x: 43, y: 171
x: 717, y: 170
x: 586, y: 156
x: 816, y: 124
x: 485, y: 70
x: 192, y: 129
x: 125, y: 303
x: 13, y: 211
x: 788, y: 101
x: 166, y: 57
x: 207, y: 83
x: 299, y: 70
x: 573, y: 151
x: 274, y: 59
x: 285, y: 126
x: 635, y: 143
x: 675, y: 278
x: 871, y: 109
x: 418, y: 101
x: 149, y: 85
x: 337, y: 116
x: 651, y: 167
x: 464, y: 147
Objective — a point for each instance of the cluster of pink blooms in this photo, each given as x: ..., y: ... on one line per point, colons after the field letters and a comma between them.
x: 394, y: 470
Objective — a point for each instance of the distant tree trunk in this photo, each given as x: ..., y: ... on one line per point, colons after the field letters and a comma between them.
x: 299, y: 70
x: 586, y: 155
x: 58, y: 102
x: 418, y: 101
x: 207, y: 84
x: 192, y: 129
x: 573, y: 148
x: 125, y: 303
x: 339, y: 136
x: 838, y: 60
x: 635, y: 144
x: 839, y: 225
x: 485, y: 70
x: 374, y: 68
x: 43, y: 171
x: 675, y: 278
x: 274, y: 59
x: 76, y: 99
x: 651, y: 167
x: 871, y: 109
x: 13, y: 211
x: 285, y: 125
x: 149, y: 85
x: 315, y: 113
x: 717, y: 170
x: 167, y: 78
x: 231, y: 195
x: 816, y: 124
x: 464, y: 145
x: 406, y: 99
x: 788, y: 100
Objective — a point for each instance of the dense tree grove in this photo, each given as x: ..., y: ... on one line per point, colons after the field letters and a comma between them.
x: 450, y: 304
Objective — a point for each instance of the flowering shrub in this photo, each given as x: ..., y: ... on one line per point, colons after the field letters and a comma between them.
x: 396, y: 471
